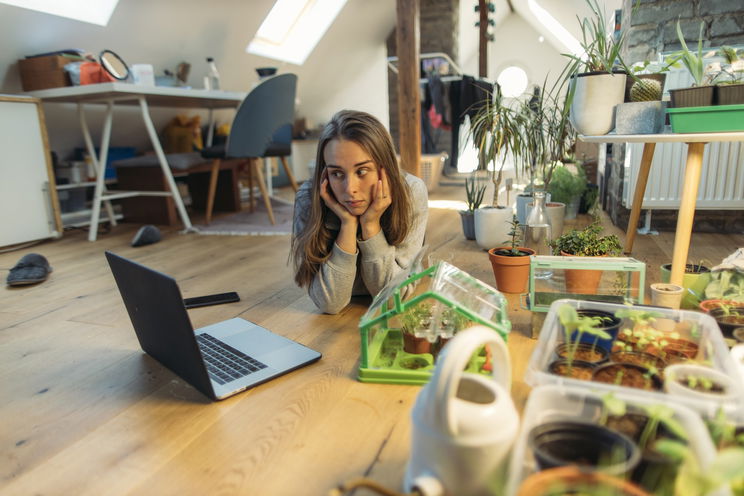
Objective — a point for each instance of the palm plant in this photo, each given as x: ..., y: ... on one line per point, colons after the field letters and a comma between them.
x: 601, y: 48
x: 493, y: 130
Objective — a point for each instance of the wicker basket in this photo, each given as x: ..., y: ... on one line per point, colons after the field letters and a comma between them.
x: 431, y: 169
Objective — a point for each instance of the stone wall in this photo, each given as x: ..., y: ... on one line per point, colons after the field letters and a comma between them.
x: 652, y: 30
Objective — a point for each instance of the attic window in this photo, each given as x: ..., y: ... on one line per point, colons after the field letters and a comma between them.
x: 98, y: 12
x: 513, y: 81
x: 293, y: 28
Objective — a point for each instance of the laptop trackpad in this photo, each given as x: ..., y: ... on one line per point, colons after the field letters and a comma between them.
x: 250, y: 338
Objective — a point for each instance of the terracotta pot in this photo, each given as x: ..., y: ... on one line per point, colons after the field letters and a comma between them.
x: 682, y: 346
x: 512, y: 273
x: 708, y: 305
x: 412, y: 344
x: 581, y: 281
x: 572, y: 477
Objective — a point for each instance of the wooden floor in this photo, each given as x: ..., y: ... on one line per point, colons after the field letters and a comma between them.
x: 84, y: 411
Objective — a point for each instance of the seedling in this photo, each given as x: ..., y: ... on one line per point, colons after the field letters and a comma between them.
x: 580, y: 325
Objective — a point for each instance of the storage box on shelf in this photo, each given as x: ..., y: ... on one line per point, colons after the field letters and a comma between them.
x: 40, y: 73
x: 610, y: 279
x: 550, y: 403
x: 664, y: 336
x: 413, y: 317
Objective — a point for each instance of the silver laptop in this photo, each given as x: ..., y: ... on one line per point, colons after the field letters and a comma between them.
x: 220, y: 359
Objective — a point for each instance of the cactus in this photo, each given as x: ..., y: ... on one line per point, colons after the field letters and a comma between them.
x: 645, y: 90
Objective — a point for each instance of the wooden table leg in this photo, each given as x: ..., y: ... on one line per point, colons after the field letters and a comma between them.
x: 686, y: 210
x: 640, y: 190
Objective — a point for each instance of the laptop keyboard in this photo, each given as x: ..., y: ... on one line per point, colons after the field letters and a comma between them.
x: 225, y: 363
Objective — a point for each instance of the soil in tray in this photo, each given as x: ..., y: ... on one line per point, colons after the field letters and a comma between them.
x: 578, y: 370
x: 627, y: 375
x: 584, y: 354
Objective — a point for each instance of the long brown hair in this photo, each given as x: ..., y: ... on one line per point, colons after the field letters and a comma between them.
x: 312, y: 246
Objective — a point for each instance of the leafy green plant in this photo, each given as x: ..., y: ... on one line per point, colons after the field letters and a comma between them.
x: 587, y: 243
x: 643, y: 334
x: 694, y: 480
x: 516, y: 236
x: 693, y: 61
x: 725, y: 285
x: 733, y: 71
x: 601, y: 47
x: 417, y: 318
x: 566, y: 186
x: 474, y: 192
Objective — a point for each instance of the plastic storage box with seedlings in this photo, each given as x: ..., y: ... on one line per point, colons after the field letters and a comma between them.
x: 621, y: 439
x: 610, y: 279
x: 412, y: 318
x: 672, y: 354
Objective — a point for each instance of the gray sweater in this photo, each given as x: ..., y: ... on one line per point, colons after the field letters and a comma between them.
x: 376, y: 263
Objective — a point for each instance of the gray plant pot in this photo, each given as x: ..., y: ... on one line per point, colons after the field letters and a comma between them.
x: 639, y: 117
x: 468, y: 224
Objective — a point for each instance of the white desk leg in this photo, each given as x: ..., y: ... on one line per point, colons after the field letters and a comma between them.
x: 100, y: 175
x: 687, y: 210
x: 210, y: 128
x: 164, y: 164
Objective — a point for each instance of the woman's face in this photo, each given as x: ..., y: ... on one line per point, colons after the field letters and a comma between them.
x: 351, y: 174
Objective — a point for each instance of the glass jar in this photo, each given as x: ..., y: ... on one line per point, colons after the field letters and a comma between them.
x: 537, y: 232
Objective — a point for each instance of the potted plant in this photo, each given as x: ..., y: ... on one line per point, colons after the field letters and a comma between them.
x: 644, y: 113
x: 698, y: 382
x: 416, y: 326
x: 724, y: 286
x: 700, y: 94
x: 628, y: 375
x: 730, y: 81
x: 694, y: 280
x: 646, y: 425
x: 572, y: 479
x: 474, y: 192
x: 728, y: 317
x: 644, y: 336
x: 567, y: 187
x: 493, y: 134
x: 595, y: 447
x: 511, y: 264
x: 573, y: 353
x: 596, y: 86
x: 585, y: 243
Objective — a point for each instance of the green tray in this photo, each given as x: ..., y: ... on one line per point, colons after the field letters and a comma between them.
x: 715, y: 119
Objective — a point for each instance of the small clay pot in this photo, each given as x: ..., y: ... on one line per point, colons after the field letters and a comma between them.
x: 415, y: 345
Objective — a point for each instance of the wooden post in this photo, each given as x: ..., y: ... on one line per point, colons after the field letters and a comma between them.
x: 409, y: 108
x: 482, y: 38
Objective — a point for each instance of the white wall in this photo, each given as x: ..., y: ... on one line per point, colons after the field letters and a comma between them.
x: 346, y: 70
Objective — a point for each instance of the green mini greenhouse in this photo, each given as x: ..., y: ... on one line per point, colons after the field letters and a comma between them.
x: 414, y: 316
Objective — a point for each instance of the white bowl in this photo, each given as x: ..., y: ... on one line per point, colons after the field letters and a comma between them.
x: 671, y: 386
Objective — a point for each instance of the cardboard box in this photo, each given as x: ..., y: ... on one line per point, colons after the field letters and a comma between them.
x: 39, y: 73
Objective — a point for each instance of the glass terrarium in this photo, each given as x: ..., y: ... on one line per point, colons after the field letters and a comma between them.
x: 609, y: 279
x: 414, y: 316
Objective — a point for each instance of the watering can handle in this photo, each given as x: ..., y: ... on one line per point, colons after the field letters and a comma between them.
x: 453, y: 360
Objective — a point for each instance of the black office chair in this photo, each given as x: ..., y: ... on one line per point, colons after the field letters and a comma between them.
x: 262, y: 128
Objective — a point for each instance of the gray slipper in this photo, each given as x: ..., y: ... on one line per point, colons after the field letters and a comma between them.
x: 146, y: 235
x: 30, y: 269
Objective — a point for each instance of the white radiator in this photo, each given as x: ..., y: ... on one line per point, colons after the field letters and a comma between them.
x: 721, y: 181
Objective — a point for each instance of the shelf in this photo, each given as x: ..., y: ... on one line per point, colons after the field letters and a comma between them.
x: 81, y: 218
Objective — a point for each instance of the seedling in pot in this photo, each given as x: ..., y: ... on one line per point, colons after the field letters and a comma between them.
x: 575, y: 326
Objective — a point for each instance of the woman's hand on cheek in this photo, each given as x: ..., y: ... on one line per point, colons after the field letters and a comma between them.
x: 344, y: 215
x: 381, y: 200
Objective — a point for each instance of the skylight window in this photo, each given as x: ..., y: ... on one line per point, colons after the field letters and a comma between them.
x: 293, y: 28
x: 98, y: 12
x: 556, y: 28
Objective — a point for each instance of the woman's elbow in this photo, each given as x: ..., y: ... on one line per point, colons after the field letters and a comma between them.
x: 329, y: 306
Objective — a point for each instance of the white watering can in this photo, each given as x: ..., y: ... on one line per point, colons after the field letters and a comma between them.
x: 463, y: 424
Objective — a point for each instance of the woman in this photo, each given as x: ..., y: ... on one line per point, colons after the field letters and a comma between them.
x: 361, y: 220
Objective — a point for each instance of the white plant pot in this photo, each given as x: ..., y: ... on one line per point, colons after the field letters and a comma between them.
x: 556, y: 214
x: 492, y: 226
x: 681, y: 370
x: 593, y: 106
x: 666, y: 295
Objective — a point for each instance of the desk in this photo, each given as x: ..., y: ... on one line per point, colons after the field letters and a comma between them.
x: 695, y: 147
x: 129, y: 94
